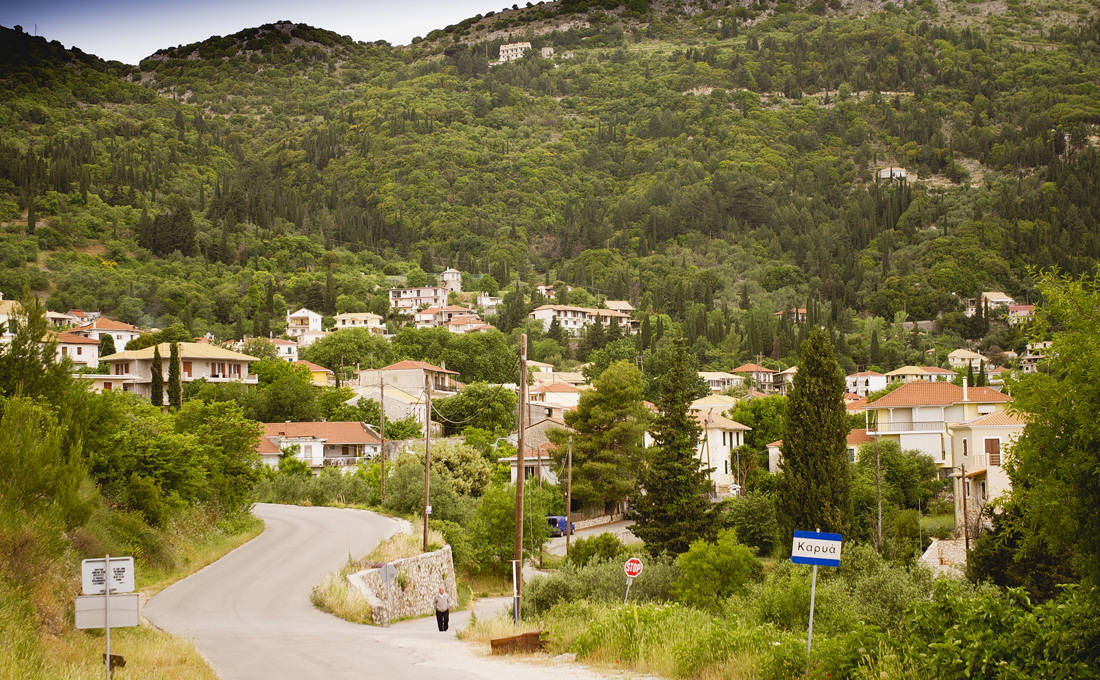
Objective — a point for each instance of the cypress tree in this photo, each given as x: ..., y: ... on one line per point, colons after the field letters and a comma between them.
x: 670, y: 505
x: 157, y: 396
x: 814, y: 488
x: 106, y: 345
x: 175, y: 392
x: 876, y: 349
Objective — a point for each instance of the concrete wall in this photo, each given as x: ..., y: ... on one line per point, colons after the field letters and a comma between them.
x: 422, y: 575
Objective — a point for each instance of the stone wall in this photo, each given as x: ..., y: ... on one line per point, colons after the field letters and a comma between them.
x: 412, y: 593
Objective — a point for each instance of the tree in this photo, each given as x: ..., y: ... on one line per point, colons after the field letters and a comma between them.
x: 479, y: 405
x: 608, y: 427
x: 461, y: 466
x: 711, y: 572
x: 767, y: 416
x: 599, y: 360
x: 815, y: 482
x: 1054, y: 466
x: 175, y: 392
x: 261, y: 348
x: 157, y: 389
x: 106, y: 345
x: 494, y: 523
x: 670, y: 504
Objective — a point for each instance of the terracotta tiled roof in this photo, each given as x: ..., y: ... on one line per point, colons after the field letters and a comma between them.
x: 857, y: 437
x: 348, y: 432
x: 777, y: 442
x: 855, y: 404
x: 67, y: 338
x: 716, y: 421
x: 867, y: 374
x: 104, y: 324
x: 752, y: 368
x: 937, y: 369
x: 937, y: 394
x: 313, y: 368
x: 998, y: 419
x: 409, y: 365
x: 555, y: 387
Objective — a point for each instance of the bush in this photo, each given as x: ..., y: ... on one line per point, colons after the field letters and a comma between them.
x: 405, y: 492
x: 713, y: 571
x: 753, y: 517
x: 601, y: 581
x: 601, y: 547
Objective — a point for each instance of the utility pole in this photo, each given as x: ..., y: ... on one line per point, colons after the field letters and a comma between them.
x: 878, y: 494
x: 569, y: 496
x: 519, y: 466
x: 382, y: 435
x: 427, y: 451
x: 966, y: 514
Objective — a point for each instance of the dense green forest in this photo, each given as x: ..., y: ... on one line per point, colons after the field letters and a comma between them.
x: 711, y: 161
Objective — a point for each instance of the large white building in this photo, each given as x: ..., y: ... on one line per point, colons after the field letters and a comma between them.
x: 573, y: 319
x: 82, y: 351
x: 301, y: 322
x: 513, y: 51
x: 719, y: 438
x: 452, y: 280
x: 865, y: 382
x: 132, y: 370
x: 371, y: 322
x: 411, y: 299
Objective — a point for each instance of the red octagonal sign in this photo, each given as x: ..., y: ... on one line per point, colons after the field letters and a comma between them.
x: 633, y: 567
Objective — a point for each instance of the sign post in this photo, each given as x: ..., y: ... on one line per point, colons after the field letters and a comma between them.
x: 633, y: 568
x: 818, y: 549
x: 106, y: 576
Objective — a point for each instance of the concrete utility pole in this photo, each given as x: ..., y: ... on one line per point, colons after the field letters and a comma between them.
x: 382, y: 435
x: 427, y: 452
x: 569, y: 496
x: 519, y: 464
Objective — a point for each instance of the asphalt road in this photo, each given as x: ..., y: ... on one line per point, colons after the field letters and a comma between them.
x: 250, y: 616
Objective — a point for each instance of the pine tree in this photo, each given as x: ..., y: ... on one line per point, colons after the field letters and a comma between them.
x: 157, y: 395
x: 876, y: 349
x: 555, y: 332
x: 175, y: 391
x: 670, y: 505
x: 814, y: 488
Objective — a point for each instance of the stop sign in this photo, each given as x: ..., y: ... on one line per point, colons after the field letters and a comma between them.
x: 633, y: 567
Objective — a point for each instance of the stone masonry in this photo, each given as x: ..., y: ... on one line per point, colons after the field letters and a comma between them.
x: 412, y: 592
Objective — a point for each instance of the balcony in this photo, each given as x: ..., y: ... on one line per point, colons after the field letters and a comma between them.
x: 896, y: 428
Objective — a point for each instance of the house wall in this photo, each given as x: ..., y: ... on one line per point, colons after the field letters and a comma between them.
x: 80, y: 354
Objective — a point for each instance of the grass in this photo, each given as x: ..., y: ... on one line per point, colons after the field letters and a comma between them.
x: 931, y: 524
x: 205, y: 547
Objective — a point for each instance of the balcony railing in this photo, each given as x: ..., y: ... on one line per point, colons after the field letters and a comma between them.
x: 922, y: 426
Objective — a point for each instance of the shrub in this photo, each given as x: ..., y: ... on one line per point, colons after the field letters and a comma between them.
x: 711, y: 571
x: 753, y: 517
x: 601, y: 581
x: 601, y: 547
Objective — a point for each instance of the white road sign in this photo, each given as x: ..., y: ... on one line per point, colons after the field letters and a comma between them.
x: 817, y: 548
x: 91, y: 609
x: 96, y: 573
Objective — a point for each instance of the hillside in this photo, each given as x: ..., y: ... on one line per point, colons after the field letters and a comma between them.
x: 691, y: 157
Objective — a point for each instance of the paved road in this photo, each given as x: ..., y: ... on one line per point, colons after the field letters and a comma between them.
x: 621, y: 530
x: 250, y: 616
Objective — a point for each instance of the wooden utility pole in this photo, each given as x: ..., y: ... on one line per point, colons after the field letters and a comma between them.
x: 382, y: 435
x: 519, y: 464
x: 427, y: 451
x: 569, y: 496
x: 878, y: 494
x: 966, y: 513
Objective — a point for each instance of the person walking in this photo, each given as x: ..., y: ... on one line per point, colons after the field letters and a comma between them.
x: 442, y: 609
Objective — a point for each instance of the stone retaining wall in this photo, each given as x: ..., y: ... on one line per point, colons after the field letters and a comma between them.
x: 421, y: 575
x: 596, y: 521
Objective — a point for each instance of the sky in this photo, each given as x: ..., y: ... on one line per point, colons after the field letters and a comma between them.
x: 130, y: 30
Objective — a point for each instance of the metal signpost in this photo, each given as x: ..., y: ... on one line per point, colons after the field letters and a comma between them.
x: 110, y: 576
x: 633, y: 567
x: 819, y: 549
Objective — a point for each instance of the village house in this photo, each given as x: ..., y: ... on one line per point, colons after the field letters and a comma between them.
x: 285, y: 350
x: 82, y: 351
x: 718, y: 440
x: 557, y: 394
x: 574, y: 378
x: 892, y: 173
x: 719, y: 381
x: 574, y: 319
x: 301, y: 322
x: 488, y: 303
x: 619, y: 306
x: 762, y: 377
x: 319, y: 445
x: 132, y: 370
x: 319, y: 376
x: 960, y: 359
x: 9, y: 309
x: 784, y: 380
x: 854, y: 440
x: 439, y: 317
x: 410, y: 376
x: 121, y: 333
x: 917, y: 415
x: 908, y: 374
x: 60, y: 319
x: 992, y: 299
x: 865, y: 382
x: 452, y: 280
x: 408, y: 300
x: 371, y: 322
x: 719, y: 403
x: 794, y: 314
x: 980, y: 447
x: 1019, y: 315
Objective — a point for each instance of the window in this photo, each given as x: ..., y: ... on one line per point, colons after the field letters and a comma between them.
x: 187, y: 368
x: 79, y: 351
x: 964, y: 448
x: 993, y: 451
x: 106, y: 388
x: 968, y: 488
x: 983, y: 491
x: 64, y: 351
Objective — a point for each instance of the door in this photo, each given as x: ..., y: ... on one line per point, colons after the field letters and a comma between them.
x: 993, y: 451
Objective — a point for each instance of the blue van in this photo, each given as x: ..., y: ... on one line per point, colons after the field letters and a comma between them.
x: 557, y: 525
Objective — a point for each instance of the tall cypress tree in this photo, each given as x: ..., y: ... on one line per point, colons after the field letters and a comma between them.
x: 814, y: 488
x: 175, y: 391
x: 157, y: 395
x: 106, y: 345
x: 670, y: 505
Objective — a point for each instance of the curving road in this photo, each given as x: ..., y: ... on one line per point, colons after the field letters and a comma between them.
x: 250, y: 616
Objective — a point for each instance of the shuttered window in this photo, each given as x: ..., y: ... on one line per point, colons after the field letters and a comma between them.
x: 993, y: 451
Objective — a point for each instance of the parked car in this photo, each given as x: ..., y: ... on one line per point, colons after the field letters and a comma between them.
x: 557, y: 525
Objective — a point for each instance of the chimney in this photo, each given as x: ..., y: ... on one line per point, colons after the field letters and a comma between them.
x: 965, y: 393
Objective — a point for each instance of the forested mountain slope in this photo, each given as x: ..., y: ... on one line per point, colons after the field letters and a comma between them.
x: 690, y: 157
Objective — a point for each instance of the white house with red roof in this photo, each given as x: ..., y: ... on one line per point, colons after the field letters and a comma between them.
x: 719, y: 439
x: 81, y: 350
x: 761, y: 376
x: 366, y: 320
x: 917, y: 415
x: 556, y: 394
x: 319, y: 445
x: 719, y: 381
x: 854, y: 440
x: 410, y: 375
x: 574, y: 319
x: 981, y: 446
x: 1018, y: 315
x: 865, y: 382
x: 120, y: 332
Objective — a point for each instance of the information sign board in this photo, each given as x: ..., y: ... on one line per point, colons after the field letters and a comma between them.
x: 91, y: 610
x: 96, y: 573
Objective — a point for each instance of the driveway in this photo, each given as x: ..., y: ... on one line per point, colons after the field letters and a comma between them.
x: 250, y: 616
x: 556, y: 546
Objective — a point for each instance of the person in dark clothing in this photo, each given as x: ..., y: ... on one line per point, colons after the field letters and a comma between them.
x: 442, y: 609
